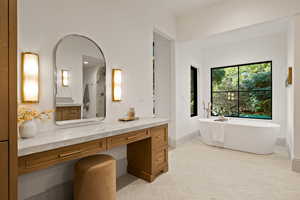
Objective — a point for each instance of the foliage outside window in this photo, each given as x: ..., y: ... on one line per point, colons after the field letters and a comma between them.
x: 194, y: 91
x: 242, y: 91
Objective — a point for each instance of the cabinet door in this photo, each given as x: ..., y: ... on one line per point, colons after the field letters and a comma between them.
x: 4, y: 170
x: 4, y: 69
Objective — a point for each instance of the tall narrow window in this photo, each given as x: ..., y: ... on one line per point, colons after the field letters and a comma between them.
x: 242, y: 91
x: 194, y: 91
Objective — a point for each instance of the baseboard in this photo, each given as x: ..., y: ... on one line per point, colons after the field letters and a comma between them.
x: 281, y: 141
x: 172, y: 143
x: 188, y: 138
x: 59, y: 192
x: 296, y: 165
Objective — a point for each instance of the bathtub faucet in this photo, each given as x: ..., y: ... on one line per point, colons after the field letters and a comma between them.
x: 207, y: 110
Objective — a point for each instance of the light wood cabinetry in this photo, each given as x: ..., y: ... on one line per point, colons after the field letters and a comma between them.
x: 4, y: 66
x: 46, y: 159
x: 68, y: 113
x: 4, y: 170
x: 147, y: 152
x: 8, y: 100
x: 149, y: 158
x: 127, y: 138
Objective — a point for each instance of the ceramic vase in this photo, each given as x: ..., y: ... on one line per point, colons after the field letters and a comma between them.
x: 28, y: 129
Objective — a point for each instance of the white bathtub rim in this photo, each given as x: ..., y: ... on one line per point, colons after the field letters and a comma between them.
x: 243, y: 122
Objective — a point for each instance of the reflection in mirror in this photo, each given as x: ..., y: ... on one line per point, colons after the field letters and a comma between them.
x: 80, y: 80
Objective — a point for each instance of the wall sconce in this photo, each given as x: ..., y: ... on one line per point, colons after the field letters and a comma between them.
x: 65, y: 78
x: 116, y: 84
x: 289, y: 80
x: 30, y: 77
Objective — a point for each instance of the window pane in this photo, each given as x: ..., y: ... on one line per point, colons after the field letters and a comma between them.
x: 225, y: 79
x: 194, y: 95
x: 225, y: 103
x: 256, y: 104
x: 256, y: 77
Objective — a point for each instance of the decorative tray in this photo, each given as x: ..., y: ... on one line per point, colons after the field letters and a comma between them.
x: 128, y: 119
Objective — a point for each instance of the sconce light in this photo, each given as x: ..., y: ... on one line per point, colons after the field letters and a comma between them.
x: 116, y: 84
x: 30, y: 77
x: 65, y: 78
x: 289, y: 80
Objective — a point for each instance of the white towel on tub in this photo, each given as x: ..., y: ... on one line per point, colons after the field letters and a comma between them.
x: 217, y: 133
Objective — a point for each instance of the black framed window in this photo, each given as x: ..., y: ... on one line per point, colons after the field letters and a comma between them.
x: 243, y: 91
x: 194, y: 91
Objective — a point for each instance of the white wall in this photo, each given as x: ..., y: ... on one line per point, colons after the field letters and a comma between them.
x: 164, y: 82
x: 232, y: 15
x: 290, y: 89
x: 187, y: 55
x: 162, y: 55
x: 293, y: 98
x: 126, y: 43
x: 123, y: 30
x: 271, y: 47
x: 296, y: 85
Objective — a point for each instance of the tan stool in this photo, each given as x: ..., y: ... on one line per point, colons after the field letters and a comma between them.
x: 95, y: 178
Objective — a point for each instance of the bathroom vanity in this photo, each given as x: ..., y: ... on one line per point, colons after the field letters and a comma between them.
x: 146, y: 140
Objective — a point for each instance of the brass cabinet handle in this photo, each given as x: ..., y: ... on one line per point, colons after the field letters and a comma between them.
x: 131, y: 137
x: 64, y: 155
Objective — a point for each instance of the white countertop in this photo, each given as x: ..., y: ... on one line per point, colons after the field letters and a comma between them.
x: 67, y: 104
x: 62, y: 137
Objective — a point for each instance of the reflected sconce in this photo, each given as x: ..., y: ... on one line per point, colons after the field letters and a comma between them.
x: 116, y: 85
x: 30, y: 77
x: 65, y: 78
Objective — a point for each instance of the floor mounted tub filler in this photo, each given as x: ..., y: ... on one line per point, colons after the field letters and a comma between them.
x: 251, y: 136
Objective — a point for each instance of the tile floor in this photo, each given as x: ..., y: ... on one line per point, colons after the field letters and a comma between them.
x: 201, y: 172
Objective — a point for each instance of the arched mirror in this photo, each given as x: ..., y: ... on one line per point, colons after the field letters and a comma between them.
x: 80, y: 74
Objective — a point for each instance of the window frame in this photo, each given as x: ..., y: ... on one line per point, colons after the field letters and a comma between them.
x: 195, y: 96
x: 238, y: 91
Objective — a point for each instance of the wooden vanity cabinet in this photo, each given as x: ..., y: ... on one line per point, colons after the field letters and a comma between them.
x: 68, y: 113
x: 4, y: 170
x: 46, y: 159
x: 127, y: 138
x: 160, y: 149
x: 149, y: 158
x: 8, y: 100
x: 147, y: 152
x: 4, y: 64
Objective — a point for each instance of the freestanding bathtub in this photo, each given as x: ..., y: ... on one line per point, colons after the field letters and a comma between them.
x: 252, y: 136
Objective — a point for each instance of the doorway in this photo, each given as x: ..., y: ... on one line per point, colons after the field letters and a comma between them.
x: 162, y: 62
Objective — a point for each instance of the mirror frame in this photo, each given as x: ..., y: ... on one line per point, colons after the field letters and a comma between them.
x: 81, y: 121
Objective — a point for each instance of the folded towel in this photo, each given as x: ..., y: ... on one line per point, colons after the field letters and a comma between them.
x: 86, y: 98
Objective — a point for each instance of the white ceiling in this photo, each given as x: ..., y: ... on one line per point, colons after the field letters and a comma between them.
x: 182, y: 7
x: 244, y: 34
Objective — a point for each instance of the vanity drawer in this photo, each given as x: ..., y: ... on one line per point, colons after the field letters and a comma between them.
x: 160, y: 160
x: 46, y: 159
x: 127, y: 138
x: 159, y: 137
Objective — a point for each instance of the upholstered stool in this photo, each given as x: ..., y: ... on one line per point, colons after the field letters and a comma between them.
x: 95, y: 178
